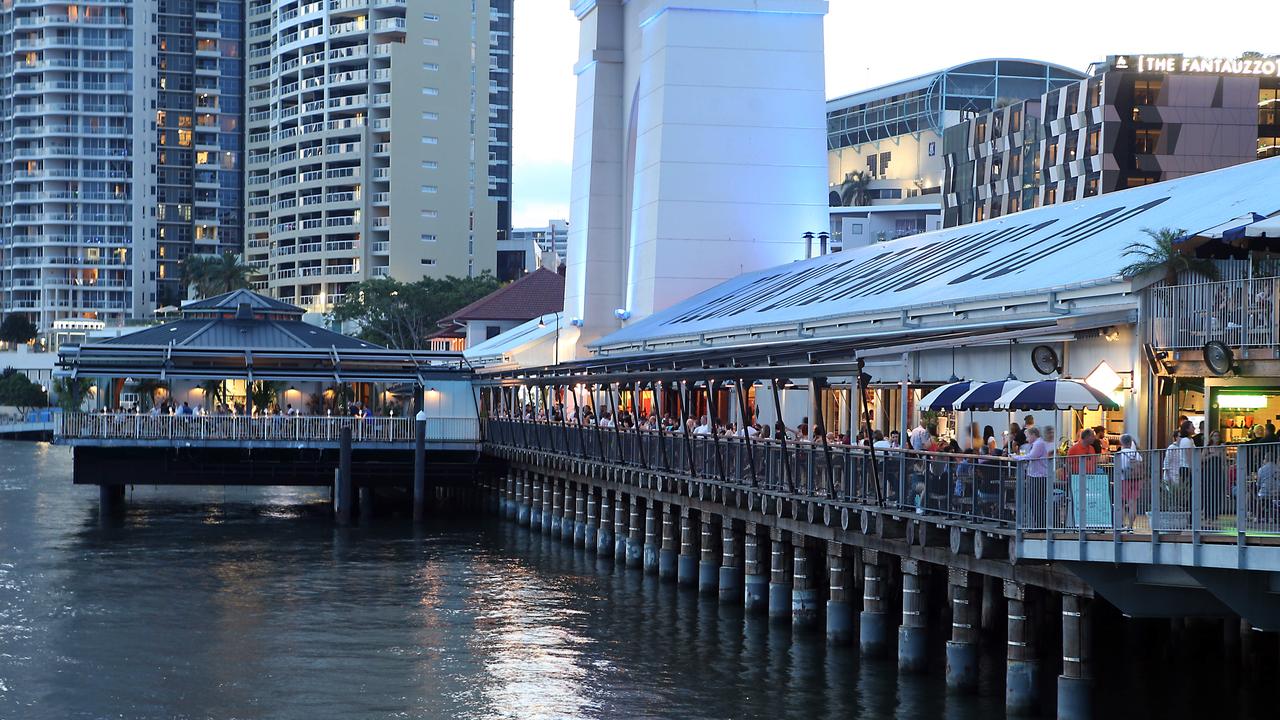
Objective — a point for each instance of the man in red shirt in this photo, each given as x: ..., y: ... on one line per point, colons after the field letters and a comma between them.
x: 1082, y: 458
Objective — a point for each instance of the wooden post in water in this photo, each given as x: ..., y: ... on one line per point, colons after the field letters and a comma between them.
x: 342, y: 495
x: 420, y: 469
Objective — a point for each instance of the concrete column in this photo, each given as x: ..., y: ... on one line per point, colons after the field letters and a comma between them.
x: 580, y: 515
x: 730, y: 586
x: 593, y: 520
x: 709, y: 557
x: 604, y: 536
x: 342, y: 494
x: 1021, y: 666
x: 635, y: 538
x: 535, y: 507
x: 522, y: 500
x: 839, y: 610
x: 568, y: 524
x: 557, y: 509
x: 548, y: 506
x: 912, y: 634
x: 621, y: 513
x: 419, y: 470
x: 110, y: 499
x: 1075, y: 684
x: 509, y: 498
x: 670, y: 543
x: 873, y: 626
x: 780, y: 575
x: 962, y: 648
x: 687, y: 562
x: 651, y: 539
x: 755, y: 570
x: 804, y: 591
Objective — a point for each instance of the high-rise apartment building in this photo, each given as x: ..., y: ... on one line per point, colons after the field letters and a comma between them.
x: 200, y: 135
x: 341, y: 188
x: 77, y: 139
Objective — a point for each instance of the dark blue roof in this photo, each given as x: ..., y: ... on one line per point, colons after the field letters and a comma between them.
x: 255, y: 334
x: 231, y: 301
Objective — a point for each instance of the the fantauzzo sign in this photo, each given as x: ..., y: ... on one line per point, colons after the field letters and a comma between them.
x: 1269, y: 67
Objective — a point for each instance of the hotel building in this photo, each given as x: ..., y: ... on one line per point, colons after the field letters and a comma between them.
x: 893, y: 135
x: 1135, y: 120
x: 339, y: 188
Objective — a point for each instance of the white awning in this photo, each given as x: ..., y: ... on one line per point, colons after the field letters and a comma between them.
x: 1268, y: 228
x: 529, y: 344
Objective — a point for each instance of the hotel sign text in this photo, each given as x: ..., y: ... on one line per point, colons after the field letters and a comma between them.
x: 1268, y: 67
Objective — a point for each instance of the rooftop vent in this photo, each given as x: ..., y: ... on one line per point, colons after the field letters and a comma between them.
x: 244, y: 312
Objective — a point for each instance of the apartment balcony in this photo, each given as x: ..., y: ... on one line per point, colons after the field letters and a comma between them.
x: 381, y: 247
x: 1241, y: 313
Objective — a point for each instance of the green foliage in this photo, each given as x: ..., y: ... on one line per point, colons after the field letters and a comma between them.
x: 19, y: 392
x: 215, y: 392
x: 215, y: 274
x: 853, y: 191
x: 1160, y: 252
x: 17, y: 329
x: 263, y: 394
x: 402, y: 315
x: 147, y: 390
x: 70, y: 392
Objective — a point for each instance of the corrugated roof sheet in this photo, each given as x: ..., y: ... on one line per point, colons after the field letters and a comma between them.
x: 1072, y: 245
x: 250, y: 334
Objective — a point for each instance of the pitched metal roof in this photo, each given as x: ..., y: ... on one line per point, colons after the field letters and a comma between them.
x: 538, y: 293
x: 231, y: 301
x: 1052, y: 261
x: 255, y: 334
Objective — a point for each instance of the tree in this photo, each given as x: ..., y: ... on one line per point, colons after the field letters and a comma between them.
x: 19, y: 392
x: 853, y: 191
x: 1161, y: 252
x: 404, y: 315
x: 70, y: 392
x: 263, y: 394
x: 147, y: 389
x: 17, y: 329
x: 215, y: 274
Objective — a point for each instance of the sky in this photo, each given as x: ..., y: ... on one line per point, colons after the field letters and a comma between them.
x: 866, y: 47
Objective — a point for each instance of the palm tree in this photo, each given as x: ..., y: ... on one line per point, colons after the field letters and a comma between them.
x: 853, y: 191
x: 147, y: 390
x: 1161, y: 252
x: 214, y: 275
x: 228, y: 273
x: 70, y: 392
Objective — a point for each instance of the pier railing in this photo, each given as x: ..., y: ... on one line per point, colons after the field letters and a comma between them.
x: 272, y: 428
x: 1217, y: 493
x: 1240, y: 313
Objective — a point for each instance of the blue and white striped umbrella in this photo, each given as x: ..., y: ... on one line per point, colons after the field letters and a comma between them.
x: 1055, y: 395
x: 984, y: 396
x: 943, y: 397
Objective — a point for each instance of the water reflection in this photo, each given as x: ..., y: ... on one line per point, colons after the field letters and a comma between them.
x: 251, y: 603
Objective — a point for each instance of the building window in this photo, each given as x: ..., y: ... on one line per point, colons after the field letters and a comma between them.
x: 1051, y: 158
x: 1015, y: 203
x: 430, y: 91
x: 855, y: 229
x: 429, y: 214
x: 1095, y: 93
x: 1145, y: 92
x: 431, y: 42
x: 430, y: 164
x: 1015, y: 164
x: 431, y: 67
x: 1069, y: 190
x: 430, y: 140
x: 979, y: 214
x: 427, y: 237
x: 1015, y: 119
x: 492, y: 331
x: 1051, y: 194
x: 1269, y: 106
x: 1091, y: 186
x: 431, y: 17
x: 1144, y: 141
x: 428, y: 261
x: 1268, y: 146
x: 980, y: 131
x: 1073, y: 143
x: 996, y: 165
x: 430, y: 189
x: 1091, y: 144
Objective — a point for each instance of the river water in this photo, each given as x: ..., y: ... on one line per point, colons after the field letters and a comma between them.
x: 249, y: 603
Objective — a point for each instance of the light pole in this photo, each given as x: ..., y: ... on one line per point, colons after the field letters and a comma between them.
x: 543, y: 323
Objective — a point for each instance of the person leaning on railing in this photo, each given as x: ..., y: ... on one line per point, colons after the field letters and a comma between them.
x: 1037, y: 476
x: 1129, y: 473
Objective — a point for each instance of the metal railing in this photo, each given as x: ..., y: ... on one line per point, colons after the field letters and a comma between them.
x: 274, y: 428
x: 1224, y: 490
x: 969, y: 486
x: 1240, y: 313
x: 1176, y: 492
